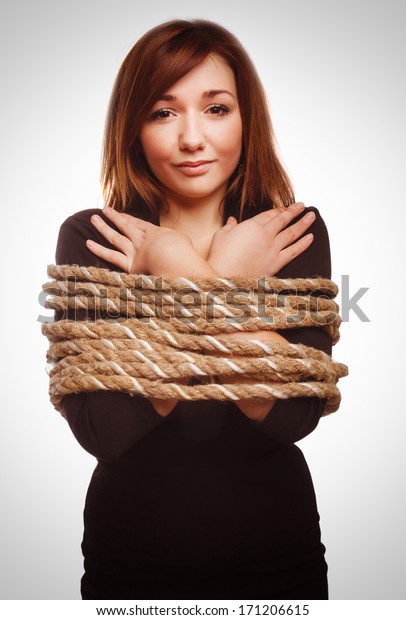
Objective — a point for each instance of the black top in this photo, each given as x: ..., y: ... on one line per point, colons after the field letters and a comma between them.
x: 204, y: 503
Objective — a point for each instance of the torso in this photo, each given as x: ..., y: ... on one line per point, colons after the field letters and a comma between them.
x: 207, y: 504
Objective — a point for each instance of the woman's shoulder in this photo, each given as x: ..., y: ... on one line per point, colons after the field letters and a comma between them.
x: 265, y: 206
x: 318, y: 228
x: 316, y: 259
x: 80, y: 219
x: 71, y: 245
x: 318, y: 224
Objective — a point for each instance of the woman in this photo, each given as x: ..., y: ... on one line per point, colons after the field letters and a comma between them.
x: 203, y: 499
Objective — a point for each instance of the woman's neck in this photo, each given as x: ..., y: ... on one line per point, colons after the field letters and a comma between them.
x: 199, y: 217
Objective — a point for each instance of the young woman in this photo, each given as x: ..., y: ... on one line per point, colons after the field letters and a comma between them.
x: 198, y: 499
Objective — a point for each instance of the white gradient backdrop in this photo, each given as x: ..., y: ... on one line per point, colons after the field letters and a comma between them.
x: 333, y: 73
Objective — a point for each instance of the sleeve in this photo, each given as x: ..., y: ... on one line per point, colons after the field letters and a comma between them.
x: 292, y: 419
x: 106, y: 424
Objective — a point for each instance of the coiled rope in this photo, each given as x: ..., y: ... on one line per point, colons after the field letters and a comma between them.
x: 155, y: 331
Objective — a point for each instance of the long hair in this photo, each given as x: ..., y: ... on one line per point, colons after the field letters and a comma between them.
x: 160, y: 58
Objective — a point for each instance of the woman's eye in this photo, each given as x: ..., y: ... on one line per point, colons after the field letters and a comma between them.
x: 160, y: 114
x: 219, y: 110
x: 214, y: 110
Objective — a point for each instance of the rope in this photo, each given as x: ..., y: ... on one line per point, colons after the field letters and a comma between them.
x: 155, y: 331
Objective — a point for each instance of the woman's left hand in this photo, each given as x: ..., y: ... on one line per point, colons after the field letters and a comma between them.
x: 262, y: 244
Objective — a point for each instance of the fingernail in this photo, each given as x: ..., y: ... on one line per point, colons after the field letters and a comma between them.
x: 309, y: 216
x: 89, y: 242
x: 95, y: 218
x: 300, y: 205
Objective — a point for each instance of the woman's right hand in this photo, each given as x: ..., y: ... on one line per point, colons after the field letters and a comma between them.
x: 141, y: 246
x: 261, y: 245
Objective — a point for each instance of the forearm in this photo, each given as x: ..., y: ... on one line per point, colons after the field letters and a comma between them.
x: 185, y: 262
x: 192, y: 265
x: 188, y: 265
x: 253, y: 409
x: 293, y: 418
x: 107, y: 424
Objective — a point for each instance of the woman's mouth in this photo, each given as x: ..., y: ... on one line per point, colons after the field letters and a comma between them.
x: 194, y: 168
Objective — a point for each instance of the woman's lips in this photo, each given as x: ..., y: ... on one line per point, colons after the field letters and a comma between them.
x: 194, y: 170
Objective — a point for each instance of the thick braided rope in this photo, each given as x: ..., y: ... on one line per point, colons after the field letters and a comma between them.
x: 158, y: 331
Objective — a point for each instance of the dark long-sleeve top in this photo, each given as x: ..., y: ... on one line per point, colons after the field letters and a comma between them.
x: 204, y: 486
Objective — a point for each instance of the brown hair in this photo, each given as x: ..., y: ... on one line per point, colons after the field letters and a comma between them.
x: 160, y: 58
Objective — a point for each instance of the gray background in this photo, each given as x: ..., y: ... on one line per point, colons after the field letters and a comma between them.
x: 334, y: 76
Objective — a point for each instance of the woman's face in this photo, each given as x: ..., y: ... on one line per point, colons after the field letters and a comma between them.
x: 196, y: 120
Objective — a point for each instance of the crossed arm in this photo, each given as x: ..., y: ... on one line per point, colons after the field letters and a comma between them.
x: 236, y: 249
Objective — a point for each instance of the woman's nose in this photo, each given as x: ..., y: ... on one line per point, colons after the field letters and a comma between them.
x: 191, y: 135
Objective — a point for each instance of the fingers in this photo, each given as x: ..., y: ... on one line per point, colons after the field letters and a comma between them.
x: 291, y: 233
x: 286, y: 212
x: 283, y: 217
x: 110, y: 256
x: 113, y: 237
x: 125, y: 222
x: 230, y: 223
x: 289, y: 253
x: 290, y: 240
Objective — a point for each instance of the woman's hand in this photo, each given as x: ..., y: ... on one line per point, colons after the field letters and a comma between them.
x: 260, y: 245
x: 142, y: 247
